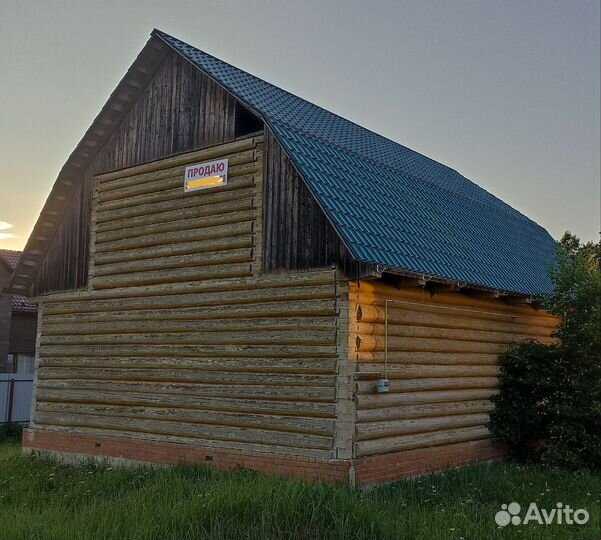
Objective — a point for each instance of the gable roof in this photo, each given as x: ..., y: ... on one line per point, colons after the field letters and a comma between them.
x: 392, y: 206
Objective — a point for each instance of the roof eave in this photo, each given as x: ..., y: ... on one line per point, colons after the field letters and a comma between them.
x: 460, y: 285
x: 110, y: 116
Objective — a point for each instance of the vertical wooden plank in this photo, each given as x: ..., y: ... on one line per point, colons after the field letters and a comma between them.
x: 258, y: 222
x: 298, y: 236
x: 92, y: 238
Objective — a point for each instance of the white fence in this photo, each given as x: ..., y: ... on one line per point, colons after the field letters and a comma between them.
x: 15, y: 397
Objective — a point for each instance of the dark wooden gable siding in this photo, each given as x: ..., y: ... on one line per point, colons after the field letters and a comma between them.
x: 65, y: 266
x: 297, y: 234
x: 180, y: 110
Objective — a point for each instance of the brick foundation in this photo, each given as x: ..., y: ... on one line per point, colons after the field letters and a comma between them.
x: 362, y: 472
x: 388, y: 467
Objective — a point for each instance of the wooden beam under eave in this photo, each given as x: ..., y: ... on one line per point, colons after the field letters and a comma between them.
x: 518, y: 300
x: 492, y: 295
x: 134, y: 83
x: 413, y: 282
x: 442, y: 288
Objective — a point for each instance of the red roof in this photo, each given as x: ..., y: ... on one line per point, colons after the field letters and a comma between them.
x: 19, y: 303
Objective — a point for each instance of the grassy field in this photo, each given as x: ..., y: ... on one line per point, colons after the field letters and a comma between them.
x: 41, y: 499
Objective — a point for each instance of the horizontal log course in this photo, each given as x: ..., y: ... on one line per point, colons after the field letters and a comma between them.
x: 204, y: 215
x: 283, y: 337
x: 160, y: 180
x: 199, y: 273
x: 163, y: 211
x: 392, y: 428
x: 221, y: 365
x: 170, y: 194
x: 181, y: 159
x: 424, y: 410
x: 373, y: 317
x: 217, y: 256
x: 275, y: 281
x: 180, y: 325
x: 293, y: 424
x: 372, y: 401
x: 181, y: 248
x: 448, y: 316
x: 239, y: 177
x: 185, y: 375
x: 314, y: 409
x: 241, y: 391
x: 188, y: 429
x: 441, y: 383
x: 193, y: 441
x: 438, y: 358
x: 407, y: 330
x: 215, y: 293
x: 227, y: 225
x: 229, y: 350
x: 417, y: 344
x: 421, y: 440
x: 315, y: 309
x: 416, y: 371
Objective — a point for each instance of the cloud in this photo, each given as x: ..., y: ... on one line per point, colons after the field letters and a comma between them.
x: 4, y: 226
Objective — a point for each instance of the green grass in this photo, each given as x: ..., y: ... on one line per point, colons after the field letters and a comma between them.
x: 42, y: 499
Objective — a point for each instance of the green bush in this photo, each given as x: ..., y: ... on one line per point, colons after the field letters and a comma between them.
x: 10, y: 432
x: 549, y: 405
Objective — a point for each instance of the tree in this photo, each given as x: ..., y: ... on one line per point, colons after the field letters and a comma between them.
x: 550, y: 395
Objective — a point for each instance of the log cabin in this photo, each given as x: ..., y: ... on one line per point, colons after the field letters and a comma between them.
x: 229, y: 274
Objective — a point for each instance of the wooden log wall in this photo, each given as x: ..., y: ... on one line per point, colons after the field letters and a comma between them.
x: 442, y: 363
x: 179, y: 110
x: 179, y: 337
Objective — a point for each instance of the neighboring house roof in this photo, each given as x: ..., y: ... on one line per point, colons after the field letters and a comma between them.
x: 391, y: 205
x: 10, y: 257
x: 19, y: 303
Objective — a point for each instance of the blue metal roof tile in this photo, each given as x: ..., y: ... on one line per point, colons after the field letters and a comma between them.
x: 391, y: 205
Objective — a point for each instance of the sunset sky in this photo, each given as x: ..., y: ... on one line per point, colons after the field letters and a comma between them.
x: 507, y: 93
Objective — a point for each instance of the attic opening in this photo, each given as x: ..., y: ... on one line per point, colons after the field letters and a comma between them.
x: 246, y: 121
